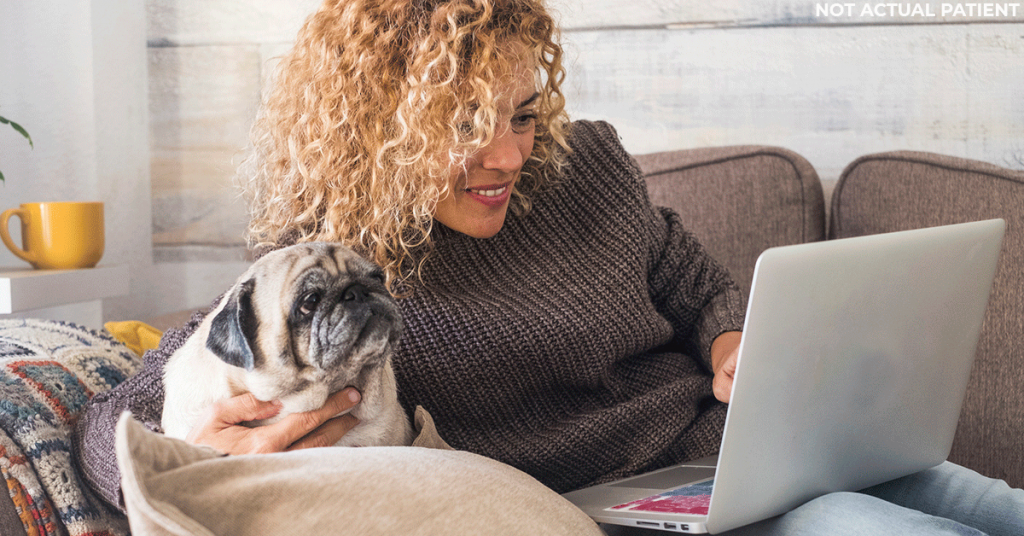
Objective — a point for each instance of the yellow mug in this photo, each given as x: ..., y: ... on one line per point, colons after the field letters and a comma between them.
x: 57, y: 235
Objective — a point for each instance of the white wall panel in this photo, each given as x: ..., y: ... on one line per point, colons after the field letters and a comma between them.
x: 667, y: 73
x: 202, y: 101
x: 584, y: 14
x: 122, y: 145
x: 73, y: 73
x: 829, y: 93
x: 192, y: 22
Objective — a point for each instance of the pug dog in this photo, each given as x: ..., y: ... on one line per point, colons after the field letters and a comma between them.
x: 301, y: 323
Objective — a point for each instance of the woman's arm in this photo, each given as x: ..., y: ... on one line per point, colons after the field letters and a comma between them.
x: 143, y: 396
x: 694, y: 292
x: 687, y: 286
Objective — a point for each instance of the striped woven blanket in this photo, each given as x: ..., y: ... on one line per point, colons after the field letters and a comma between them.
x: 48, y: 371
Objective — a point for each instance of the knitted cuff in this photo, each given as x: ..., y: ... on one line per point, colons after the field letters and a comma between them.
x: 725, y: 312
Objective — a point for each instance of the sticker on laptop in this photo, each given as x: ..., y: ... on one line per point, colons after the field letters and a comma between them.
x: 693, y: 500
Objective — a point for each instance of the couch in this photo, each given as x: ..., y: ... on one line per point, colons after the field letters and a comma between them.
x: 741, y: 200
x: 737, y: 200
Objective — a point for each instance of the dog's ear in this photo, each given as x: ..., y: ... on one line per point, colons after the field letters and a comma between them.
x: 233, y: 331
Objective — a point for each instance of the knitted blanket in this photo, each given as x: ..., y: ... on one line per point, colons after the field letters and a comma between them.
x: 48, y: 371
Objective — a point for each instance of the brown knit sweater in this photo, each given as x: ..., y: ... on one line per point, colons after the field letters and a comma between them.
x: 574, y: 344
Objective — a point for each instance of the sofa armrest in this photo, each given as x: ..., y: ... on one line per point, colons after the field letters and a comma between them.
x: 740, y: 200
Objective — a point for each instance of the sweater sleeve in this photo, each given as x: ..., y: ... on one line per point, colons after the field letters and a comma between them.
x: 143, y: 396
x: 688, y: 287
x: 691, y: 289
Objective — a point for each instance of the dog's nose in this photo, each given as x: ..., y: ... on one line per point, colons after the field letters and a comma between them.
x: 355, y: 293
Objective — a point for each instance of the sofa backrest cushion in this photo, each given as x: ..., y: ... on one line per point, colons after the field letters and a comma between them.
x: 903, y: 190
x: 739, y: 201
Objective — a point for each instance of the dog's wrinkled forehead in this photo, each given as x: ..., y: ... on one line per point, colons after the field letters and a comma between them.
x: 322, y: 258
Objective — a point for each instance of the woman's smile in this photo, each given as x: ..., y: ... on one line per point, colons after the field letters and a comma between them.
x: 481, y: 187
x: 491, y: 195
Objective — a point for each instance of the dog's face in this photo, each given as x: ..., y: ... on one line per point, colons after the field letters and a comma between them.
x: 306, y: 321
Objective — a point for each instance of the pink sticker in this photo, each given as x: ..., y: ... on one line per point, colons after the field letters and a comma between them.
x: 694, y: 500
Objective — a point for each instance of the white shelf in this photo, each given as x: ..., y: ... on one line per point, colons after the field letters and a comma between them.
x: 27, y: 289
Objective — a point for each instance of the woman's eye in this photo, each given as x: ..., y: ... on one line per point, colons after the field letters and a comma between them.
x: 523, y: 122
x: 309, y: 303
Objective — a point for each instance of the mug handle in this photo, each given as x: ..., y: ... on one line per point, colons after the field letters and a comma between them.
x: 6, y: 236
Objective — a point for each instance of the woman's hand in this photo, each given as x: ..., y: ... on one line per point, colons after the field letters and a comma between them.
x: 725, y: 352
x: 221, y: 430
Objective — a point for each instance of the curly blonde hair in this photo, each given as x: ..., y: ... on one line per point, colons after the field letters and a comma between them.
x: 373, y: 106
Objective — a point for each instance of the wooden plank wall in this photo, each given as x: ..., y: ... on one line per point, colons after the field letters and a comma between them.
x: 829, y: 80
x: 673, y: 74
x: 207, y: 60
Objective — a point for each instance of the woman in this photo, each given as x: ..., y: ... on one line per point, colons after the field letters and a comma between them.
x: 555, y: 320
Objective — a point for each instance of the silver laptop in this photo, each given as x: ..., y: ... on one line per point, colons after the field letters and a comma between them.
x: 852, y: 370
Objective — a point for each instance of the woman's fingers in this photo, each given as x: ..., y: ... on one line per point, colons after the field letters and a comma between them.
x: 221, y: 427
x: 245, y: 407
x: 307, y: 429
x: 326, y: 434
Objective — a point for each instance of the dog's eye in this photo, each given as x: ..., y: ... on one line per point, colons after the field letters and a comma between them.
x: 378, y: 275
x: 309, y: 303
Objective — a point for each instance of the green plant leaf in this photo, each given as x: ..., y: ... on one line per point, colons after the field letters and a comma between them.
x: 19, y: 129
x: 2, y: 178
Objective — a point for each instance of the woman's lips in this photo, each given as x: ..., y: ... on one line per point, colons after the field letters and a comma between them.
x: 491, y: 195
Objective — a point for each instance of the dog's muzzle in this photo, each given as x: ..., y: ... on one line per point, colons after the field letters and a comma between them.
x: 358, y: 324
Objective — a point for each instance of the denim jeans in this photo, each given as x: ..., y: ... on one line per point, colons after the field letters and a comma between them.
x: 947, y: 499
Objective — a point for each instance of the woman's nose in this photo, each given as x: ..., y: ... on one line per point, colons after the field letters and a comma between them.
x: 502, y: 154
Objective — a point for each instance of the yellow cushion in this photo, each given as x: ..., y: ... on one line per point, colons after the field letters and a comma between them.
x: 137, y: 336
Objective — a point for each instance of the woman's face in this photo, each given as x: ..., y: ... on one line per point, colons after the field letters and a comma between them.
x: 480, y: 190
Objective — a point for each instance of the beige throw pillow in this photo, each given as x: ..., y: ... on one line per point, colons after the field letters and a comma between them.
x: 172, y: 487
